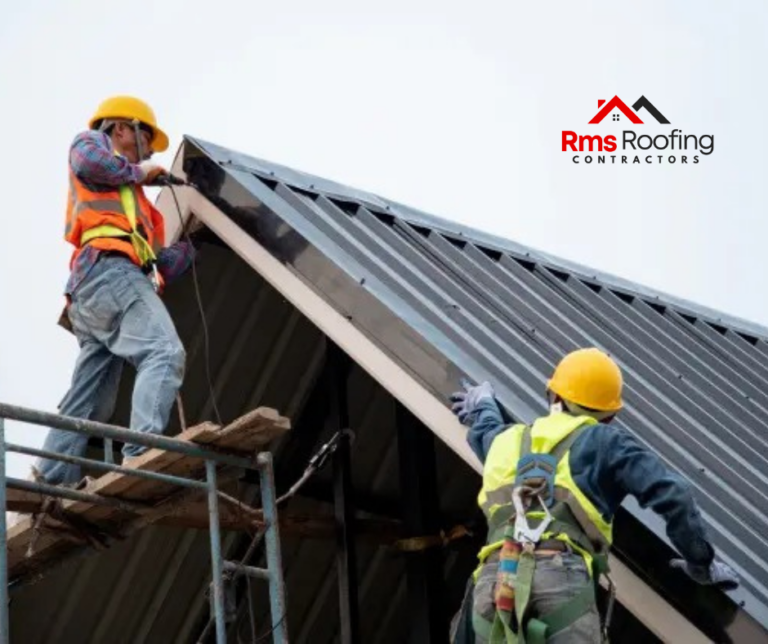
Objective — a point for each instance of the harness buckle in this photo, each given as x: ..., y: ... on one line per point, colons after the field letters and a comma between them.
x: 524, y: 533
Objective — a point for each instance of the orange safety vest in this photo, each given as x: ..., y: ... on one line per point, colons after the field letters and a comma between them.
x: 119, y: 219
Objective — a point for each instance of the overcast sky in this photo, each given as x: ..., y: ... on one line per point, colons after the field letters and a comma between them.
x: 455, y: 108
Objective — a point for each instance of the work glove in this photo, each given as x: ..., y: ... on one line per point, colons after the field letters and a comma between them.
x: 716, y: 574
x: 149, y: 172
x: 465, y: 402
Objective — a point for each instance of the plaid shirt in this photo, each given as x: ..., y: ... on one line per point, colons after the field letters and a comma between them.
x: 95, y: 163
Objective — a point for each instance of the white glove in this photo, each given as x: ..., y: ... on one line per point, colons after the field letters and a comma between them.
x: 716, y: 574
x: 466, y: 401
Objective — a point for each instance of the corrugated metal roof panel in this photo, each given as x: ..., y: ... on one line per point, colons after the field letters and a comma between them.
x: 695, y: 378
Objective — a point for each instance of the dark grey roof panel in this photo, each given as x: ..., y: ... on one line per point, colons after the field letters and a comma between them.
x: 701, y: 364
x: 314, y: 184
x: 729, y: 352
x: 762, y: 347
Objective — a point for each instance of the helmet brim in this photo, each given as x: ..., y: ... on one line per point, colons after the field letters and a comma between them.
x: 160, y: 140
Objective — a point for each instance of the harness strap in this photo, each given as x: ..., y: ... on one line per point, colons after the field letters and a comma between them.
x: 523, y: 588
x: 570, y: 511
x: 564, y: 445
x: 536, y: 630
x: 539, y: 629
x: 502, y: 495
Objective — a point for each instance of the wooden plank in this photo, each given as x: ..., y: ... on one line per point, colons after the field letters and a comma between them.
x: 20, y: 534
x: 249, y: 432
x: 153, y: 460
x: 22, y: 501
x: 255, y: 429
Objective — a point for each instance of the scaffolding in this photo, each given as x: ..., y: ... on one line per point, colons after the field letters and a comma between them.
x: 261, y: 462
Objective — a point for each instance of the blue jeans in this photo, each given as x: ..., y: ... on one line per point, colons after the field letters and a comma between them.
x: 116, y: 316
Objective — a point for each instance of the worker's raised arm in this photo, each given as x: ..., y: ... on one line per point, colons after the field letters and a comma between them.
x: 486, y: 425
x: 476, y: 407
x: 93, y: 160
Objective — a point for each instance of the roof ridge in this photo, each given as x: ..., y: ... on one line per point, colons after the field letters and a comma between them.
x: 333, y: 189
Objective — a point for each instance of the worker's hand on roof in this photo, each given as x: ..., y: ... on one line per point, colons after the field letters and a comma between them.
x: 464, y: 402
x: 150, y: 172
x: 716, y: 574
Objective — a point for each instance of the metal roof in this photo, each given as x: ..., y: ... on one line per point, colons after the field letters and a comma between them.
x: 442, y: 300
x: 695, y: 378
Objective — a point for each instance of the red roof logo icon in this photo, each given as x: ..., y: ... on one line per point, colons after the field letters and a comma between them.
x: 631, y: 113
x: 614, y: 103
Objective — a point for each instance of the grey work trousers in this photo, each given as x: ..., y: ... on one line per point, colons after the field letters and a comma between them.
x: 557, y: 579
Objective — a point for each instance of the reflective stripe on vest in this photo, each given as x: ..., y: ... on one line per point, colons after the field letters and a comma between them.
x: 144, y: 250
x: 495, y: 498
x: 124, y: 203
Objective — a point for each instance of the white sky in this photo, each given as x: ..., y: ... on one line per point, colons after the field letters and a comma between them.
x: 455, y: 108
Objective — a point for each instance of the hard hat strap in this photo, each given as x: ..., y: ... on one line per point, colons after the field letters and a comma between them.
x: 137, y: 136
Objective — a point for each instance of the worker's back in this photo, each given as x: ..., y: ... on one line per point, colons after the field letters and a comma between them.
x: 550, y: 492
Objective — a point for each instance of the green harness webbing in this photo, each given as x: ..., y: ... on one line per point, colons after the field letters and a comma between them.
x: 536, y: 630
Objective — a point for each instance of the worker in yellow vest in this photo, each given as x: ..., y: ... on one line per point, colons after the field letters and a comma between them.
x: 550, y: 491
x: 119, y: 266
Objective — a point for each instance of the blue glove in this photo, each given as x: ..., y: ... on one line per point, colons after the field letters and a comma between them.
x: 716, y: 574
x: 466, y: 401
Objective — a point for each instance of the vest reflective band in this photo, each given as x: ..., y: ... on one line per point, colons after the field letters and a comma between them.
x: 577, y: 520
x: 118, y: 219
x: 144, y: 250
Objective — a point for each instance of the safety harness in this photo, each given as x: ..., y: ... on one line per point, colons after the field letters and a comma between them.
x: 535, y: 495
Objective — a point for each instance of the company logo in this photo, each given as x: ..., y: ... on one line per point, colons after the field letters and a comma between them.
x: 617, y: 103
x: 676, y: 147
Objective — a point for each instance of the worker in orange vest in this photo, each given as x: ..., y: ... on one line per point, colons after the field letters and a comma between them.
x: 119, y: 268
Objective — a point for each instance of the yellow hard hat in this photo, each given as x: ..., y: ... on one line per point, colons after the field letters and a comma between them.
x: 589, y: 378
x: 128, y: 107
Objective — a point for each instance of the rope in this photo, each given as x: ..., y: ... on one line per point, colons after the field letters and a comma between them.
x: 206, y: 338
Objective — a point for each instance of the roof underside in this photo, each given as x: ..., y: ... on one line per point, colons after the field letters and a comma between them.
x: 442, y: 301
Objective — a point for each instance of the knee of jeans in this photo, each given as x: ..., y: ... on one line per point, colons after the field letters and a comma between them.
x: 176, y: 355
x: 169, y: 354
